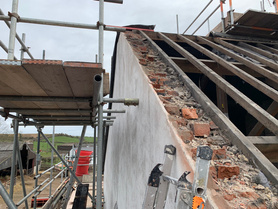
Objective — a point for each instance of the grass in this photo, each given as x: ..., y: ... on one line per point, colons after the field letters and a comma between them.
x: 59, y: 140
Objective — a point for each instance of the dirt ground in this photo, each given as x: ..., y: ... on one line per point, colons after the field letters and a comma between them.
x: 29, y: 184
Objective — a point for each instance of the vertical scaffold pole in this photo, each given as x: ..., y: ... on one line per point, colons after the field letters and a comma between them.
x: 13, y: 167
x: 13, y: 30
x: 231, y: 12
x: 71, y: 181
x: 100, y: 110
x: 94, y: 168
x: 37, y: 164
x: 52, y: 153
x: 20, y: 166
x: 222, y: 15
x: 22, y: 48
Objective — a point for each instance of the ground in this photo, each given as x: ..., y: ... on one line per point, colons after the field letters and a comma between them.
x: 29, y: 184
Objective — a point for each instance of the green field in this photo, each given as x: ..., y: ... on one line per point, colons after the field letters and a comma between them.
x: 59, y: 140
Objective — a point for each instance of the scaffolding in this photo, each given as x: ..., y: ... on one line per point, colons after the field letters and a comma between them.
x: 84, y: 111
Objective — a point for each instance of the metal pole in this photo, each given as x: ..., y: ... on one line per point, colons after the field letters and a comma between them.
x: 100, y: 110
x: 13, y: 167
x: 22, y: 48
x: 177, y: 18
x: 197, y: 17
x: 63, y: 24
x: 231, y: 12
x: 37, y: 163
x: 21, y: 170
x: 43, y: 54
x: 94, y: 169
x: 13, y: 30
x: 62, y: 174
x: 18, y: 38
x: 74, y: 167
x: 52, y: 153
x: 206, y: 19
x: 222, y: 17
x: 9, y: 202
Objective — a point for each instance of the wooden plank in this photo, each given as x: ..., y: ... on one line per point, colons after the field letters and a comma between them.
x: 262, y: 60
x: 231, y: 131
x: 51, y: 77
x: 263, y: 139
x: 81, y: 78
x: 255, y: 110
x: 268, y: 48
x: 187, y: 67
x: 259, y: 51
x: 267, y: 90
x: 259, y: 128
x: 259, y: 69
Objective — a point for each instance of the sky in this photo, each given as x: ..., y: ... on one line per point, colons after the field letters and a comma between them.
x: 71, y: 44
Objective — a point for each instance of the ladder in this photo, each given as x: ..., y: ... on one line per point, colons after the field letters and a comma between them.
x: 188, y: 195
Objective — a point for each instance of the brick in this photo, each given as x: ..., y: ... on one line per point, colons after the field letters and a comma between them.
x: 194, y: 153
x: 186, y: 135
x: 172, y: 109
x: 249, y: 195
x: 156, y: 85
x: 189, y: 113
x: 160, y: 91
x: 219, y: 154
x: 168, y: 98
x: 143, y: 49
x: 143, y: 61
x: 227, y: 171
x: 161, y: 74
x: 181, y: 121
x: 163, y: 81
x: 173, y: 93
x: 153, y: 78
x: 164, y: 100
x: 213, y: 126
x: 201, y: 129
x: 151, y: 58
x: 229, y: 197
x: 212, y: 170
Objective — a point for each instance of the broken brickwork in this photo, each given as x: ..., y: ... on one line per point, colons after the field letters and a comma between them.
x: 235, y: 179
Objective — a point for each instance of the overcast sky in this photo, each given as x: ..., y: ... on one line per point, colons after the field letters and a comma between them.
x: 70, y: 44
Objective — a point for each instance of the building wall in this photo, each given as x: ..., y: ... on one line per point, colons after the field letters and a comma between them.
x: 137, y: 138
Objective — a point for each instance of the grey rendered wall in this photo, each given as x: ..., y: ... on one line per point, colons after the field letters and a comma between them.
x: 137, y: 138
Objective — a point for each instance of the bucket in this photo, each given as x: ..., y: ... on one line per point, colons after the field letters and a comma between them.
x: 84, y: 158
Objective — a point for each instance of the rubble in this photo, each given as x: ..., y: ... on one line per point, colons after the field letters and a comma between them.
x: 239, y: 182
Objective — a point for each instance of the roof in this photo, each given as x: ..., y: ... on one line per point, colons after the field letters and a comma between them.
x: 49, y: 90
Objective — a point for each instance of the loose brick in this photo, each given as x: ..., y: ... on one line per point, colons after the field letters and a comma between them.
x: 163, y: 81
x: 168, y: 98
x: 181, y: 121
x: 173, y: 93
x: 227, y: 171
x: 172, y: 109
x: 229, y: 197
x: 151, y: 58
x: 189, y: 113
x: 186, y: 135
x: 201, y: 129
x: 212, y: 170
x: 160, y: 91
x: 194, y: 153
x: 161, y: 74
x: 156, y: 85
x: 249, y: 195
x: 153, y: 78
x: 143, y: 49
x: 213, y: 126
x: 143, y: 61
x: 219, y: 154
